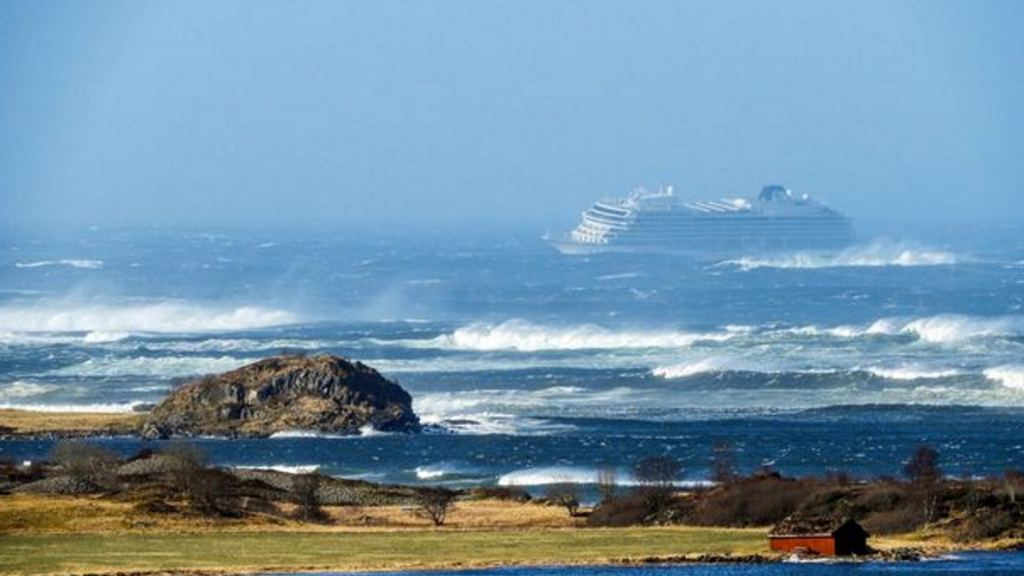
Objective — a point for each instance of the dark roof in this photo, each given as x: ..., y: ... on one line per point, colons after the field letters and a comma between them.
x: 803, y: 525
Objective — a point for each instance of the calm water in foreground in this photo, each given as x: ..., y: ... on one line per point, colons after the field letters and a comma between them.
x: 994, y: 564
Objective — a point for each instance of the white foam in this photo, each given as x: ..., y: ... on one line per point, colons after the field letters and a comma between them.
x: 164, y: 316
x: 20, y: 389
x: 287, y: 468
x: 111, y: 408
x: 524, y: 336
x: 104, y: 337
x: 1010, y: 375
x: 544, y: 475
x: 70, y: 262
x: 950, y: 328
x: 873, y: 255
x: 166, y: 367
x: 938, y: 329
x: 912, y: 372
x: 686, y: 369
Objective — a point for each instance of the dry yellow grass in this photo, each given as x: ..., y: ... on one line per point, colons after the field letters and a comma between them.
x: 31, y: 514
x: 27, y: 423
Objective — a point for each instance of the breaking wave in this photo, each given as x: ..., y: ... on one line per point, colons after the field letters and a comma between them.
x: 167, y: 367
x: 20, y: 389
x: 686, y: 369
x: 544, y: 475
x: 166, y: 316
x: 938, y: 329
x: 1010, y: 376
x: 912, y: 373
x: 524, y: 336
x: 69, y: 262
x: 111, y: 408
x: 874, y: 255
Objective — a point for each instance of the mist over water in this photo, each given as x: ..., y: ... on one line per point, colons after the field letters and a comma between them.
x: 532, y: 365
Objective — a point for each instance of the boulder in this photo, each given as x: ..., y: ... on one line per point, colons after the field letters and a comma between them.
x: 285, y: 393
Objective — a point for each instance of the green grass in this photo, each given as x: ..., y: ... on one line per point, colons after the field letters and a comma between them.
x: 364, y: 550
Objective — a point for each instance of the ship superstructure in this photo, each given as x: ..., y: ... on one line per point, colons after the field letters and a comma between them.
x: 777, y: 220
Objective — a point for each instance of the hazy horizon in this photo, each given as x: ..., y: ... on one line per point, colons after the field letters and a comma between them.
x: 430, y: 115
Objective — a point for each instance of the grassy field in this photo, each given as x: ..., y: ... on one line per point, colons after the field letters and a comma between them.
x: 28, y: 423
x: 243, y: 552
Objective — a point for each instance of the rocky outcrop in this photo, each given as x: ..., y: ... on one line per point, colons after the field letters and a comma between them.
x: 285, y: 393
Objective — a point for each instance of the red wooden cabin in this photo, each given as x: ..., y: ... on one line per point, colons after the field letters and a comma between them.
x: 819, y: 535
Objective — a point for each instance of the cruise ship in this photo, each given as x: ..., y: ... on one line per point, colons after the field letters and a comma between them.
x: 777, y: 220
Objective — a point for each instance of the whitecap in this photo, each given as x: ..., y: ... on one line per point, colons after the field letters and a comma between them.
x: 154, y: 317
x: 22, y: 389
x: 524, y: 336
x: 873, y: 255
x: 83, y: 264
x: 1010, y: 375
x: 287, y: 468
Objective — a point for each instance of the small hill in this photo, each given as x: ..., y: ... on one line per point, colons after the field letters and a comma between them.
x: 317, y: 393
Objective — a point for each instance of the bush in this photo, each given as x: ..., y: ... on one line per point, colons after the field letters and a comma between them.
x: 656, y: 476
x: 305, y: 492
x: 87, y: 461
x: 435, y: 503
x: 629, y: 510
x: 756, y: 501
x: 987, y: 524
x: 566, y: 495
x: 896, y: 521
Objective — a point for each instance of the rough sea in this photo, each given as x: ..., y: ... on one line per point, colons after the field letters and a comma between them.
x: 538, y: 367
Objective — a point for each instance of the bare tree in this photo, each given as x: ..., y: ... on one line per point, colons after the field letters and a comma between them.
x: 1013, y: 480
x: 87, y: 461
x: 925, y: 475
x: 656, y: 476
x: 723, y: 462
x: 183, y: 462
x: 566, y: 495
x: 305, y: 491
x: 435, y: 504
x: 607, y: 483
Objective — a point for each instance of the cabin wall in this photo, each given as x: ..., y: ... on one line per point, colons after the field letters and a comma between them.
x: 826, y: 546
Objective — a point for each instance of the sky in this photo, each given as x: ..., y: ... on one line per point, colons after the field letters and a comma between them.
x: 384, y: 114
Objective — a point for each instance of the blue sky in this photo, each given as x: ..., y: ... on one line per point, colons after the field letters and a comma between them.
x: 359, y: 113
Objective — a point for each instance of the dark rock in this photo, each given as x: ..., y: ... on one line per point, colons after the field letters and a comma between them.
x: 284, y: 393
x: 60, y: 485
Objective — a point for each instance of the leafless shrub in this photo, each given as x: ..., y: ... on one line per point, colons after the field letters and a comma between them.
x: 87, y: 461
x: 925, y: 481
x: 607, y: 483
x: 723, y: 462
x: 305, y: 492
x: 566, y: 495
x: 435, y: 504
x: 756, y: 501
x: 656, y: 476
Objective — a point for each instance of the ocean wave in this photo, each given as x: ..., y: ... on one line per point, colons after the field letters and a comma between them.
x: 107, y: 408
x: 912, y: 372
x: 873, y: 255
x: 165, y: 316
x: 938, y: 329
x: 524, y: 336
x: 544, y: 475
x: 1010, y: 375
x: 166, y: 367
x: 20, y: 389
x: 83, y: 264
x: 686, y: 369
x: 287, y: 468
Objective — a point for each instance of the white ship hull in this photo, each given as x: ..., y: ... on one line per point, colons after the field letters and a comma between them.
x: 661, y: 223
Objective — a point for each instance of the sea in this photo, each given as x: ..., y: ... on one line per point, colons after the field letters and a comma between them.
x: 992, y: 564
x: 533, y: 367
